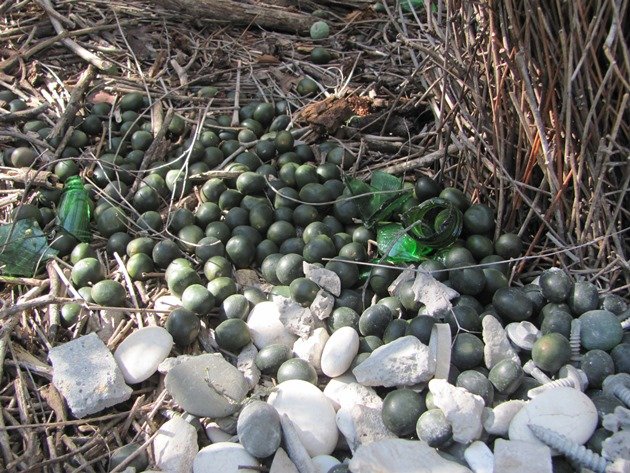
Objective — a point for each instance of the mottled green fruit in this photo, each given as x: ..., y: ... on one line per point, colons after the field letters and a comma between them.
x: 401, y: 410
x: 506, y: 376
x: 551, y: 352
x: 600, y: 329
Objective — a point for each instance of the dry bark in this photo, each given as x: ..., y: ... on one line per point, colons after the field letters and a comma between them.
x: 267, y: 16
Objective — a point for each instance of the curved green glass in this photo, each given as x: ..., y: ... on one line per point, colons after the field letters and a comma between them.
x: 435, y: 223
x: 75, y: 209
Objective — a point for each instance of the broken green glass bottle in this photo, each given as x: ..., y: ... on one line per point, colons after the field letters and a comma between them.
x: 75, y: 210
x: 435, y: 223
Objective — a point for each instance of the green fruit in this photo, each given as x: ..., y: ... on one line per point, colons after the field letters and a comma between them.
x: 426, y: 188
x: 23, y: 157
x: 463, y: 317
x: 139, y: 463
x: 467, y: 351
x: 232, y: 335
x: 512, y: 304
x: 395, y: 329
x: 303, y: 291
x: 117, y: 243
x: 583, y: 297
x: 82, y: 251
x: 320, y: 55
x: 319, y: 248
x: 216, y: 267
x: 508, y: 246
x: 556, y: 285
x: 469, y: 281
x: 343, y: 317
x: 141, y: 140
x: 374, y: 320
x: 456, y: 197
x: 111, y: 220
x: 297, y: 368
x: 183, y: 325
x: 221, y: 288
x: 307, y: 87
x: 138, y: 265
x: 131, y: 101
x: 600, y: 330
x: 341, y: 157
x: 198, y: 299
x: 557, y: 322
x: 348, y: 273
x: 421, y: 327
x: 476, y: 383
x: 280, y: 231
x: 319, y: 30
x: 87, y: 271
x: 506, y: 376
x: 381, y: 278
x: 271, y: 357
x: 109, y: 293
x: 268, y: 268
x: 179, y: 278
x: 289, y: 267
x: 551, y: 351
x: 240, y: 251
x: 235, y: 306
x: 597, y: 365
x: 70, y: 313
x: 401, y: 410
x: 284, y: 141
x: 164, y: 252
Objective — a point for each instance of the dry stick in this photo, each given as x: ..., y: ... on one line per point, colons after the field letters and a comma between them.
x: 421, y: 161
x: 9, y: 63
x: 74, y: 103
x: 23, y: 114
x: 132, y: 293
x: 54, y: 317
x: 237, y: 94
x: 72, y: 45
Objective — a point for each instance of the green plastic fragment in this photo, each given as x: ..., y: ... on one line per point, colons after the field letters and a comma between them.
x: 75, y: 210
x: 395, y: 246
x: 380, y: 199
x: 23, y: 248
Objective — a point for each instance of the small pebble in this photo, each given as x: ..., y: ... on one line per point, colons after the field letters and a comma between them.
x: 175, y: 446
x: 224, y: 457
x: 462, y: 409
x: 258, y: 429
x: 265, y: 327
x: 139, y: 355
x: 339, y: 351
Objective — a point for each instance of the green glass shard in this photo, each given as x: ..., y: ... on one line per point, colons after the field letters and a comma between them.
x: 75, y: 210
x: 23, y: 248
x: 380, y: 199
x: 395, y: 246
x: 435, y: 223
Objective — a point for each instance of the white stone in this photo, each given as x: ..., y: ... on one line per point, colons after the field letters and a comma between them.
x: 323, y: 463
x: 440, y: 348
x: 401, y: 456
x: 340, y: 350
x: 311, y: 348
x: 361, y: 425
x: 175, y: 446
x: 246, y: 364
x: 479, y: 457
x: 282, y: 463
x: 567, y: 411
x: 617, y: 446
x: 167, y: 303
x: 620, y: 465
x: 324, y: 278
x: 497, y: 347
x: 403, y: 362
x: 216, y: 434
x: 496, y: 421
x: 224, y: 457
x: 265, y: 327
x: 296, y: 319
x: 462, y: 409
x: 171, y: 362
x: 335, y: 386
x: 354, y: 393
x: 310, y: 411
x: 87, y: 376
x: 432, y: 293
x: 323, y: 305
x: 139, y: 355
x: 513, y: 456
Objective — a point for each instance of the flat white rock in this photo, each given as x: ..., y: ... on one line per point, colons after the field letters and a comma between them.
x: 266, y: 328
x: 323, y: 463
x: 324, y: 278
x: 224, y: 457
x: 496, y: 421
x: 296, y: 319
x: 175, y: 446
x: 139, y: 355
x: 403, y: 362
x: 462, y: 409
x: 311, y: 348
x: 401, y: 456
x: 340, y: 350
x: 354, y: 393
x: 513, y: 456
x: 479, y: 457
x: 567, y: 411
x: 335, y: 386
x: 311, y: 413
x: 282, y: 463
x: 246, y: 364
x: 497, y: 346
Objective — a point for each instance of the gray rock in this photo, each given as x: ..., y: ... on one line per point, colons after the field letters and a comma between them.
x: 282, y: 463
x: 246, y: 364
x: 462, y: 409
x: 479, y: 457
x: 617, y: 446
x: 496, y: 421
x: 324, y: 278
x: 296, y: 319
x: 404, y: 362
x: 497, y: 346
x: 515, y: 456
x: 258, y: 429
x: 87, y: 376
x: 323, y: 305
x: 361, y: 425
x: 402, y: 456
x: 175, y: 446
x: 207, y: 386
x: 311, y: 348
